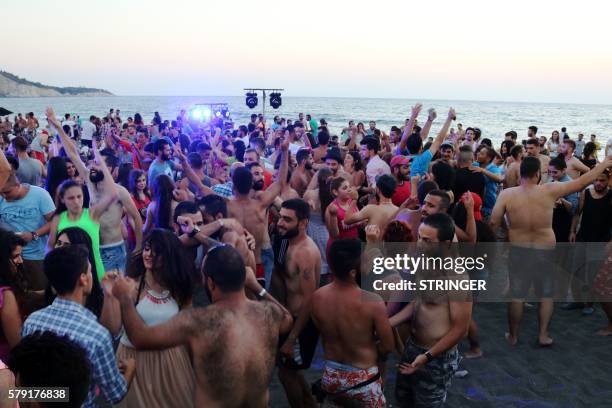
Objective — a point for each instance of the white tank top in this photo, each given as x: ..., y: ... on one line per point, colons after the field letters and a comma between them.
x: 154, y: 308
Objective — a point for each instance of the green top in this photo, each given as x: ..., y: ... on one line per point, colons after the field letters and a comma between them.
x: 92, y: 229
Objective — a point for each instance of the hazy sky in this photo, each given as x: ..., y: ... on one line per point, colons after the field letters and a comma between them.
x: 520, y: 50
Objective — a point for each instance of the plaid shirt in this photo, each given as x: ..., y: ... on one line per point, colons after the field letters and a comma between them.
x: 68, y: 318
x: 225, y: 190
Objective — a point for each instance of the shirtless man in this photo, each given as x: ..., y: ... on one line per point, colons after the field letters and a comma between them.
x: 513, y: 177
x: 232, y: 342
x: 533, y: 150
x: 529, y: 211
x: 354, y: 329
x: 297, y: 273
x: 303, y: 172
x: 376, y: 214
x: 575, y: 167
x: 439, y: 323
x: 112, y: 244
x: 438, y: 201
x: 250, y: 209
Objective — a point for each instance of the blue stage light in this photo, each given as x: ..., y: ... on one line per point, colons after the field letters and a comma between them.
x: 196, y: 114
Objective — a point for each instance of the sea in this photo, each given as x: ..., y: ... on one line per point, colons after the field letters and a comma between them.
x: 493, y: 118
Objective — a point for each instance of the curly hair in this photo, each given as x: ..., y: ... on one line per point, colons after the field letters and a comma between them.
x: 172, y: 269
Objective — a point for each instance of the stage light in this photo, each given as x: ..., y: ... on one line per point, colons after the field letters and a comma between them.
x: 196, y: 114
x: 218, y: 114
x: 275, y: 100
x: 251, y: 99
x: 206, y: 113
x: 225, y: 113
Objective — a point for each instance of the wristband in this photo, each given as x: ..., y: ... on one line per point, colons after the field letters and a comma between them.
x: 194, y: 232
x: 429, y: 356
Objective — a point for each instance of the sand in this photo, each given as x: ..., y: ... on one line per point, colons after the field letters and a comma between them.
x: 574, y: 372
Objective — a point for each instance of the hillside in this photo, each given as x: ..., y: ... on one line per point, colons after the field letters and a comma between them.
x: 13, y: 86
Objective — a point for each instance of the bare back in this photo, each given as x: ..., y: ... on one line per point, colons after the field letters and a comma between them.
x: 381, y: 214
x: 529, y: 210
x: 233, y: 352
x: 345, y: 319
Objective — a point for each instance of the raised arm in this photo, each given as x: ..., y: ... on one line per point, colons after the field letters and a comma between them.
x: 443, y: 132
x: 268, y: 196
x: 108, y: 187
x: 204, y: 190
x: 69, y: 147
x: 416, y: 109
x: 563, y: 189
x: 427, y: 127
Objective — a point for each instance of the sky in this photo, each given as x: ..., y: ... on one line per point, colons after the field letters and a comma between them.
x: 520, y: 50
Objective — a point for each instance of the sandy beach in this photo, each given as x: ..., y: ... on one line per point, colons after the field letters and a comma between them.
x: 574, y: 372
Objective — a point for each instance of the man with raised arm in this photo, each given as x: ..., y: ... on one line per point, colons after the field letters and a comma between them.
x: 232, y: 342
x: 421, y: 159
x: 251, y: 208
x: 529, y: 211
x: 112, y: 244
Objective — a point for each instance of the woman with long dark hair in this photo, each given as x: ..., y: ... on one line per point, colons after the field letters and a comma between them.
x: 336, y: 211
x: 57, y: 173
x: 123, y: 177
x: 139, y: 192
x: 589, y: 155
x: 165, y: 282
x: 353, y: 165
x: 101, y: 304
x: 159, y: 212
x: 13, y: 287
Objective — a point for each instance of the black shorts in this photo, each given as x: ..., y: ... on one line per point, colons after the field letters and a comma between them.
x: 86, y: 143
x: 304, y: 349
x: 530, y: 266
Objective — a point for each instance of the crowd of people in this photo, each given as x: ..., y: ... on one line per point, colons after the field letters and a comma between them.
x: 180, y: 262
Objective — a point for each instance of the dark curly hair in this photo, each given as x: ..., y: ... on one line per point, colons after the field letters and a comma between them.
x: 175, y: 271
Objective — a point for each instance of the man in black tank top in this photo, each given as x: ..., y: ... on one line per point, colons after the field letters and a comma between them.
x: 594, y: 216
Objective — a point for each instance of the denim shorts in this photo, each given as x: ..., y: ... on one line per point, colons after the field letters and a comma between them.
x: 428, y: 385
x: 114, y: 256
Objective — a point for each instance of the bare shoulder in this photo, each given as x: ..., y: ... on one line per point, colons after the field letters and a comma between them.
x: 123, y: 192
x: 310, y: 249
x: 205, y: 319
x: 270, y: 310
x: 373, y: 299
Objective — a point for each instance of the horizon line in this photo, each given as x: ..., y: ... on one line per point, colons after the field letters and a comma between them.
x: 333, y: 97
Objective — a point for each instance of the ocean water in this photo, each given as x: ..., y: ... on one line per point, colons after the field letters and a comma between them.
x: 493, y: 118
